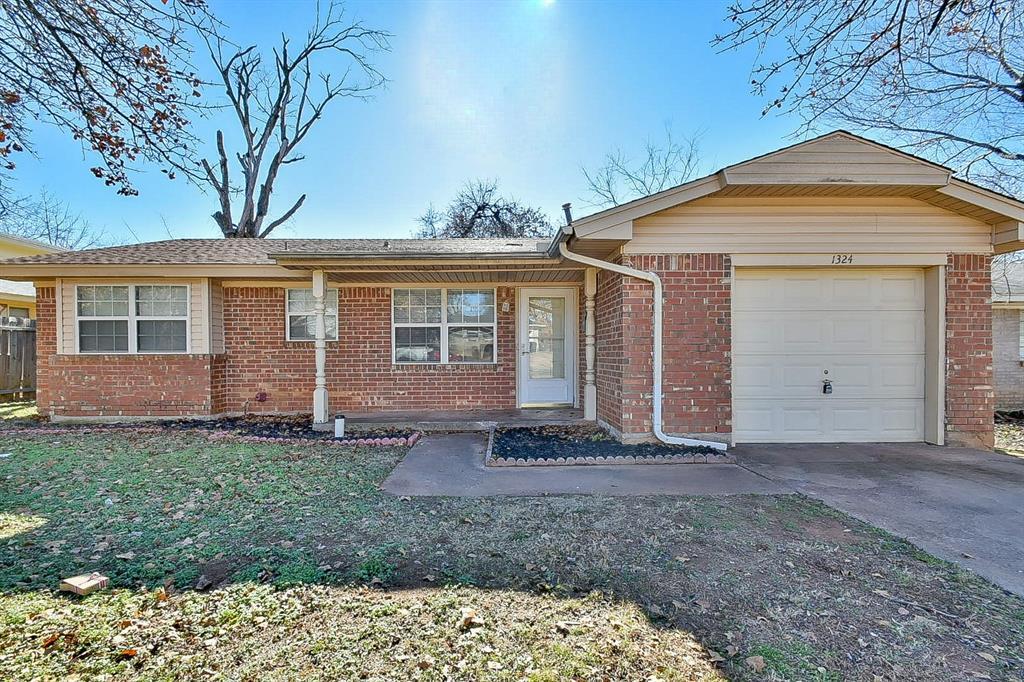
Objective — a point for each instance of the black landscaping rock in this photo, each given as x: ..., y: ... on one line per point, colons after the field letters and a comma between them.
x: 579, y: 440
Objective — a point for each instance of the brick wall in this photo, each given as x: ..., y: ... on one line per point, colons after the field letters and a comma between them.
x: 697, y: 346
x: 970, y: 397
x: 46, y: 342
x: 609, y: 343
x: 1008, y: 374
x: 360, y: 374
x: 115, y: 385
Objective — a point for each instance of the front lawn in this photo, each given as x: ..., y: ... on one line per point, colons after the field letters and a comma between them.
x: 252, y: 561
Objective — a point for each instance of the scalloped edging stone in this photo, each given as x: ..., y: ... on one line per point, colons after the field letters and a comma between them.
x: 695, y: 458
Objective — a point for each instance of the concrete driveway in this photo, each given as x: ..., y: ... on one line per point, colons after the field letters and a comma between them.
x: 959, y: 504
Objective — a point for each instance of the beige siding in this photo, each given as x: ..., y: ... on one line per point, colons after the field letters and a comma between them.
x: 197, y: 316
x: 808, y: 225
x: 198, y: 326
x: 836, y: 160
x: 216, y: 318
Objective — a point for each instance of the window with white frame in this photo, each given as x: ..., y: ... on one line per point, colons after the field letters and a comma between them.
x: 123, y: 318
x: 443, y: 325
x: 301, y: 312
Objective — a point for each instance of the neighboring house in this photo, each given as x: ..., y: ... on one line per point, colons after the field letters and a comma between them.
x: 18, y: 299
x: 1007, y: 339
x: 835, y: 290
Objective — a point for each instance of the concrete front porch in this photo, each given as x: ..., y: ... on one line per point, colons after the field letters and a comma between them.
x: 468, y: 420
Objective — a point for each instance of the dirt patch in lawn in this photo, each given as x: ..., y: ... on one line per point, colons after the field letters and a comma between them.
x: 581, y: 442
x: 316, y: 574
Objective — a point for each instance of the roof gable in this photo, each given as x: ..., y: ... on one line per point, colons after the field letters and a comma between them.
x: 837, y: 158
x: 838, y: 162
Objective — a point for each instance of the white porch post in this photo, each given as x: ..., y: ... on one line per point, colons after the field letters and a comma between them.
x: 320, y: 409
x: 590, y: 351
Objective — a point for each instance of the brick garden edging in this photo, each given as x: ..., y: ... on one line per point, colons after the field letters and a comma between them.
x: 696, y: 458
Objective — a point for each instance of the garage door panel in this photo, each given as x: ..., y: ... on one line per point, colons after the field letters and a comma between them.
x: 864, y: 327
x: 875, y: 289
x: 769, y: 421
x: 818, y: 331
x: 861, y: 377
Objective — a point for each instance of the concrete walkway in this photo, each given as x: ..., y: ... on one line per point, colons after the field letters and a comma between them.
x: 959, y: 504
x: 453, y: 465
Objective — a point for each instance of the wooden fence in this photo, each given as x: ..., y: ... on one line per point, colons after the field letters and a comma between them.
x: 17, y: 357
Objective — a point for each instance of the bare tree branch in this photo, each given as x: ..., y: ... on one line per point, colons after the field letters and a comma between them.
x: 47, y: 219
x: 663, y: 165
x: 942, y: 78
x: 479, y: 210
x: 115, y: 74
x: 276, y: 107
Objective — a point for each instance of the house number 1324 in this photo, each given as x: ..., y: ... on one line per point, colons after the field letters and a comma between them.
x: 842, y: 259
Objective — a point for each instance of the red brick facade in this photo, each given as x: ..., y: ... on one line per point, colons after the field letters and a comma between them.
x: 696, y: 338
x: 360, y: 374
x: 970, y: 396
x: 259, y: 363
x: 116, y: 385
x: 609, y: 342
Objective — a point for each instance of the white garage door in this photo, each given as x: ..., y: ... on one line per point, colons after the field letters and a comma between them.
x: 861, y: 330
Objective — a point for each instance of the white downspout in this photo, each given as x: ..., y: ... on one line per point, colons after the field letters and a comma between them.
x: 658, y: 304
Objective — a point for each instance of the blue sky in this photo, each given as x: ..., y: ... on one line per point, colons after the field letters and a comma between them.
x: 525, y: 91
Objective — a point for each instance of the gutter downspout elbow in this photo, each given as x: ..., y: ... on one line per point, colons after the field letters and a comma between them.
x: 656, y: 397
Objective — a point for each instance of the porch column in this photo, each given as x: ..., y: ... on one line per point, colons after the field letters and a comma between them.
x: 320, y: 409
x: 590, y: 351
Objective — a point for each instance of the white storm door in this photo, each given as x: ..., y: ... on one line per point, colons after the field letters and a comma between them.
x: 828, y: 355
x: 547, y: 357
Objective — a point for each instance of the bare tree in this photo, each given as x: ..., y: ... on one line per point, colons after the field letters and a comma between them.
x: 48, y: 219
x: 115, y: 74
x: 944, y: 77
x: 479, y: 210
x: 276, y: 108
x: 1007, y: 276
x: 662, y: 165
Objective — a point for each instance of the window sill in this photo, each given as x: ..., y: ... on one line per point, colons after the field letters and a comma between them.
x: 121, y: 354
x: 445, y: 364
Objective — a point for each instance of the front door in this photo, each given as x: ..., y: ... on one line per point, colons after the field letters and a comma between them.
x: 547, y: 357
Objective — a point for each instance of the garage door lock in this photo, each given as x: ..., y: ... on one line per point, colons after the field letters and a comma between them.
x: 826, y: 386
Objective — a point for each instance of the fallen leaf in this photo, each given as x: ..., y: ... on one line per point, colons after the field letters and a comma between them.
x: 469, y: 619
x: 755, y: 663
x: 128, y: 653
x: 987, y: 656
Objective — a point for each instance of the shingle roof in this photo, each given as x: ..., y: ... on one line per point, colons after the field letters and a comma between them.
x: 258, y: 251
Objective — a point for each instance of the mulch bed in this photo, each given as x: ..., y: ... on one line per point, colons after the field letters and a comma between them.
x: 299, y: 427
x: 586, y: 444
x: 257, y: 428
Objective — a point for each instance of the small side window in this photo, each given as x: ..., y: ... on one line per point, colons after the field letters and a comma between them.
x: 301, y: 315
